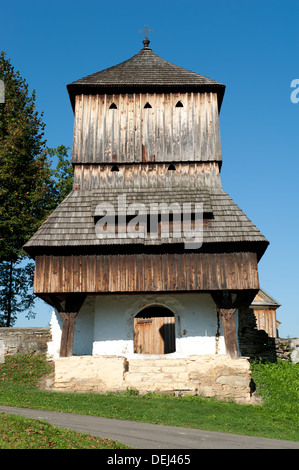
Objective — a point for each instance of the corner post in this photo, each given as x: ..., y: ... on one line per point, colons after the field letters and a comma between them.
x: 68, y: 306
x: 229, y: 331
x: 226, y: 302
x: 67, y: 334
x: 73, y: 303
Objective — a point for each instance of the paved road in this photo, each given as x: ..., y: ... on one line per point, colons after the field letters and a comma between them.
x: 150, y: 436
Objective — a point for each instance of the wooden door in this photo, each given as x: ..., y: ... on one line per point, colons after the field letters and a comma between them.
x: 154, y: 335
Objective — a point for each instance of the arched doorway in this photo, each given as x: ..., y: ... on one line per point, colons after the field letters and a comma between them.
x: 154, y: 331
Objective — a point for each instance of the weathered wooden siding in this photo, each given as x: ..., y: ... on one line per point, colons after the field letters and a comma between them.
x: 151, y: 175
x: 145, y: 272
x: 133, y: 133
x: 266, y: 320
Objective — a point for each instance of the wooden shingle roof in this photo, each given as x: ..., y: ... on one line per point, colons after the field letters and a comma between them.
x: 72, y: 224
x: 144, y: 70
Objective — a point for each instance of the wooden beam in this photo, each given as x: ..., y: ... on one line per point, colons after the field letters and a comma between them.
x: 229, y: 331
x: 227, y: 303
x: 54, y: 300
x: 67, y: 334
x: 73, y: 303
x: 68, y: 306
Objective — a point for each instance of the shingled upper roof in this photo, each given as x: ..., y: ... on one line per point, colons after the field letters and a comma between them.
x: 145, y: 69
x: 72, y: 224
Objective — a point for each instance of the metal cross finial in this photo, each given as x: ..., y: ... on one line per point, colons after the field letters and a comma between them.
x: 146, y: 31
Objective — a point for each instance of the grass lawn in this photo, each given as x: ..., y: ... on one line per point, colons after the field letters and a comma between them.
x: 278, y: 417
x: 17, y: 432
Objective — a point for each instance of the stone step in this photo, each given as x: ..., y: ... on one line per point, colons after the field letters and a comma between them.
x: 157, y: 363
x: 156, y: 378
x: 156, y: 386
x: 156, y: 370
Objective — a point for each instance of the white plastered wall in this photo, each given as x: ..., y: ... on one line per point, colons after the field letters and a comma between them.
x: 104, y: 325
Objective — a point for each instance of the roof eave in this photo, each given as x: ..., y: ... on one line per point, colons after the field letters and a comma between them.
x: 78, y: 89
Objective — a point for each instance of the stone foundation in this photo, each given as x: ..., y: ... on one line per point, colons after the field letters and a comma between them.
x: 210, y: 376
x: 89, y: 373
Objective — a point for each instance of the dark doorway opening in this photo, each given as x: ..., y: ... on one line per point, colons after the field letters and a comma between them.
x: 154, y: 331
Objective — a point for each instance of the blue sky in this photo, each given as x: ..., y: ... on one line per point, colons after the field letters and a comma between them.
x: 250, y: 46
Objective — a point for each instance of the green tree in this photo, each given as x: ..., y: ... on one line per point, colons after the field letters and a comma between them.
x: 16, y: 293
x: 29, y: 189
x: 63, y: 174
x: 26, y: 185
x: 17, y: 275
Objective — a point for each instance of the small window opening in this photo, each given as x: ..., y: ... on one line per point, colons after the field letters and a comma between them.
x: 179, y: 104
x: 147, y: 105
x: 171, y: 167
x: 113, y: 106
x: 115, y: 168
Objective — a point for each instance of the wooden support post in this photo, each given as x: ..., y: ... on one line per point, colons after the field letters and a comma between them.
x: 227, y: 302
x: 67, y: 334
x: 229, y: 331
x: 73, y: 303
x: 68, y: 306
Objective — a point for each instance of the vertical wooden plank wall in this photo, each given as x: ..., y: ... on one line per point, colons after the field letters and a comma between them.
x: 266, y: 320
x: 162, y: 132
x: 151, y: 175
x: 145, y: 272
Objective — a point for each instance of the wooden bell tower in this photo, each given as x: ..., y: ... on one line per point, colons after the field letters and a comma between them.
x: 147, y: 131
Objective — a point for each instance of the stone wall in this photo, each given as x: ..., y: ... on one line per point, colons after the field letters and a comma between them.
x: 287, y: 349
x: 210, y: 376
x: 24, y: 340
x: 256, y: 344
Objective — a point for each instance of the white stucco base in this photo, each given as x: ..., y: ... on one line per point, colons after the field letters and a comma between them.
x: 104, y: 325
